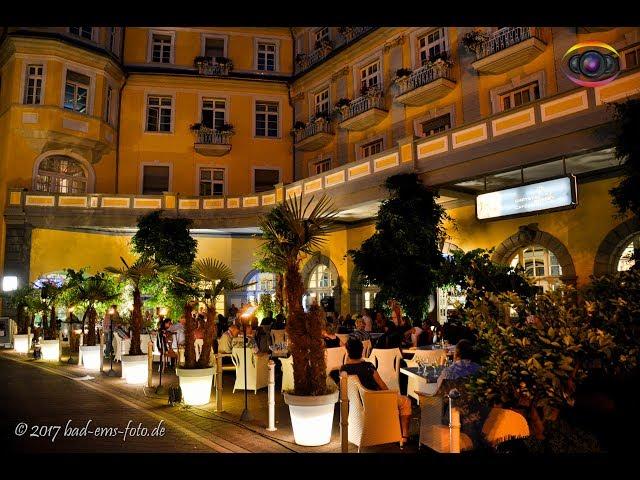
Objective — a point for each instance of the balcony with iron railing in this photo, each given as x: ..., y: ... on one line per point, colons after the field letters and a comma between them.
x: 346, y: 35
x: 316, y: 134
x: 426, y: 84
x: 212, y: 143
x: 363, y: 112
x: 508, y: 48
x: 213, y: 67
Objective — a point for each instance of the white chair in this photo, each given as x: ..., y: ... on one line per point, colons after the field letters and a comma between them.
x: 373, y: 415
x: 343, y: 337
x: 335, y: 358
x: 366, y: 350
x: 387, y: 362
x: 433, y: 433
x: 287, y: 373
x: 122, y: 346
x: 198, y: 342
x: 257, y: 370
x: 277, y: 336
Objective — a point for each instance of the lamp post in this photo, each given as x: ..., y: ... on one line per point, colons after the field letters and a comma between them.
x: 111, y: 372
x: 246, y: 416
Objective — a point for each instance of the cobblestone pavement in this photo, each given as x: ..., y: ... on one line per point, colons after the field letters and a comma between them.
x: 41, y: 394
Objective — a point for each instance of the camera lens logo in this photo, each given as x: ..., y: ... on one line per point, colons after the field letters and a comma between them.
x: 591, y: 64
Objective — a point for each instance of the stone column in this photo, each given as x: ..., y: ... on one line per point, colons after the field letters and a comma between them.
x: 397, y: 111
x: 468, y: 83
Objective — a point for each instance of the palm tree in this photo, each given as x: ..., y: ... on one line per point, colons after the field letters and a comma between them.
x: 50, y: 292
x: 91, y: 291
x: 25, y: 301
x: 209, y: 278
x: 290, y: 230
x: 134, y: 275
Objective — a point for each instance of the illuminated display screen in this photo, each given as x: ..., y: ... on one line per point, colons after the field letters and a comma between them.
x: 550, y: 195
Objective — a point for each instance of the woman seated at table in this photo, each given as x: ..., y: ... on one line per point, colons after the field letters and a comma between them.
x: 360, y: 333
x: 370, y: 379
x: 331, y: 340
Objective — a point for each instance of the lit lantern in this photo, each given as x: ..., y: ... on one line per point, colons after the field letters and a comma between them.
x: 50, y: 350
x: 21, y: 343
x: 311, y: 418
x: 135, y: 369
x: 195, y: 385
x: 91, y: 357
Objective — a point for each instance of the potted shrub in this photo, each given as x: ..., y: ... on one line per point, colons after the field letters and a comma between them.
x: 298, y: 127
x: 50, y: 291
x: 403, y: 73
x: 473, y: 40
x: 291, y: 230
x: 134, y: 364
x: 322, y: 116
x: 201, y: 61
x: 342, y: 105
x: 204, y: 282
x: 325, y: 45
x: 225, y: 62
x: 23, y: 301
x: 301, y: 59
x: 195, y: 127
x: 226, y: 128
x: 90, y: 291
x: 346, y: 32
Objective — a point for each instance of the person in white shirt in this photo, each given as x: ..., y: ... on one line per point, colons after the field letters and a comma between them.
x: 177, y: 329
x: 367, y: 320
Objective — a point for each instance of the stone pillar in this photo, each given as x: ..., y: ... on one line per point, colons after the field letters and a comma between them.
x: 299, y: 114
x: 468, y: 83
x: 397, y: 111
x: 341, y: 79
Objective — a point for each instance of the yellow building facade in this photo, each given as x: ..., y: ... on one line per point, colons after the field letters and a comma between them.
x: 218, y: 124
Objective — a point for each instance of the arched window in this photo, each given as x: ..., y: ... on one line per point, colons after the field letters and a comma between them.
x: 320, y: 285
x: 61, y: 174
x: 541, y: 264
x: 264, y: 284
x: 626, y: 260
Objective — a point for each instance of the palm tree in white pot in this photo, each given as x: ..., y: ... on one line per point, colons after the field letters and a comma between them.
x: 290, y: 230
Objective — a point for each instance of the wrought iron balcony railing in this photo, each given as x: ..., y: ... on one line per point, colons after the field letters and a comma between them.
x: 505, y: 38
x: 361, y: 105
x: 423, y: 76
x: 312, y: 129
x: 214, y: 69
x: 208, y: 136
x: 347, y: 35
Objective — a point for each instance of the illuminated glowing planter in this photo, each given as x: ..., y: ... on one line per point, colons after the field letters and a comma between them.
x: 50, y: 350
x: 311, y: 418
x: 91, y: 357
x: 135, y: 369
x: 195, y: 385
x: 21, y: 343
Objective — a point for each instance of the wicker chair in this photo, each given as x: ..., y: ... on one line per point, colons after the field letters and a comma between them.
x: 287, y: 373
x: 257, y: 370
x: 335, y: 358
x: 366, y: 350
x: 277, y: 336
x: 387, y: 362
x: 373, y: 415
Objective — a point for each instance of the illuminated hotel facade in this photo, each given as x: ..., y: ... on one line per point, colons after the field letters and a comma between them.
x: 99, y: 125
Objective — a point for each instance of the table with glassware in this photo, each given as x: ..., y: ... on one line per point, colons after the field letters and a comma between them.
x: 425, y: 378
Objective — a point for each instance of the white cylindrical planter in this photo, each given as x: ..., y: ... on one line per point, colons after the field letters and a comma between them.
x: 195, y: 385
x: 21, y: 343
x: 134, y: 369
x: 50, y: 349
x: 311, y: 418
x: 90, y: 356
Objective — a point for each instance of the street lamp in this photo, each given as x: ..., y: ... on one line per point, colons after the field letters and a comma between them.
x: 246, y: 416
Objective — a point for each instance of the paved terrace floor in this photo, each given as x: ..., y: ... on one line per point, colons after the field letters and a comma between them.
x: 41, y: 393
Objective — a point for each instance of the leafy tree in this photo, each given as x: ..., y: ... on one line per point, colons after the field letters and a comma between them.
x: 403, y: 257
x: 90, y: 291
x: 290, y: 230
x: 265, y: 304
x: 50, y: 294
x: 626, y: 196
x: 26, y: 302
x: 267, y: 263
x: 135, y: 275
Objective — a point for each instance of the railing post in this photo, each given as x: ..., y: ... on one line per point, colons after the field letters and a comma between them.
x: 218, y: 383
x: 28, y: 339
x: 81, y: 342
x: 272, y: 397
x: 60, y: 345
x: 150, y: 363
x: 101, y: 350
x: 344, y: 412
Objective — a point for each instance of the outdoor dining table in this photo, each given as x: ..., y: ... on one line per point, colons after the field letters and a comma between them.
x: 425, y: 383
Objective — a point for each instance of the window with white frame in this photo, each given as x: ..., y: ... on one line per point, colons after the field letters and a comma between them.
x: 155, y: 179
x: 161, y: 48
x: 261, y: 283
x: 33, y: 84
x: 321, y: 101
x: 214, y: 47
x: 431, y: 45
x: 61, y: 174
x: 267, y: 119
x: 83, y: 32
x: 541, y: 264
x: 627, y: 260
x: 371, y: 148
x: 265, y: 179
x: 321, y: 34
x: 631, y: 57
x: 266, y: 56
x: 214, y: 113
x: 108, y: 105
x: 321, y: 166
x: 159, y: 112
x: 211, y: 182
x: 76, y: 92
x: 436, y: 125
x: 519, y: 96
x: 320, y: 286
x: 112, y: 43
x: 370, y: 75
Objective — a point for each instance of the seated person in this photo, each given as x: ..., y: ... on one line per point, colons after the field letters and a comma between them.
x: 371, y: 380
x: 177, y: 329
x: 331, y: 340
x: 391, y: 337
x: 225, y: 342
x: 463, y: 365
x: 268, y: 320
x: 279, y: 322
x: 359, y: 332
